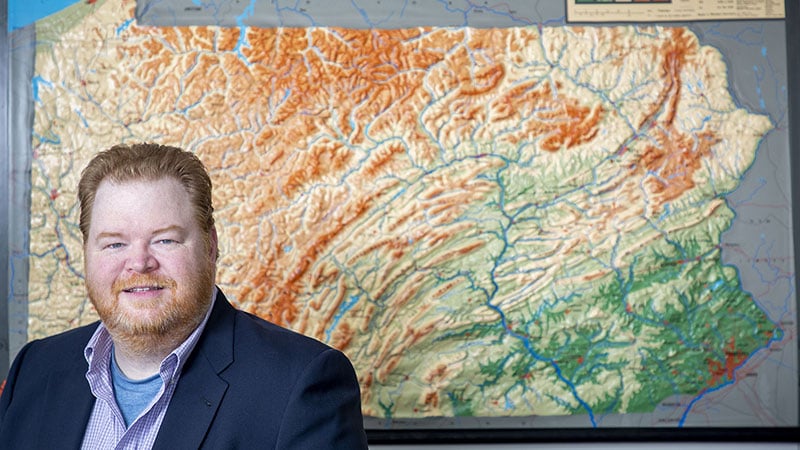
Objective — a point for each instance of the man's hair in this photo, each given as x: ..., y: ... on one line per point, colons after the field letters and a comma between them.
x: 147, y: 162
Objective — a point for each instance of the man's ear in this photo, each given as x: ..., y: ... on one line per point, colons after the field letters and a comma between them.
x: 213, y: 244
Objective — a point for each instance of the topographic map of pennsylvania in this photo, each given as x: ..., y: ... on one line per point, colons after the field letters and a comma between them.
x: 489, y: 222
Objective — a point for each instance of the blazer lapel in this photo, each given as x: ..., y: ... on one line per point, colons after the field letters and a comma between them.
x: 200, y: 389
x: 70, y: 403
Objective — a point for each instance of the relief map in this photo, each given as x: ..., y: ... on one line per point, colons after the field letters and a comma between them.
x: 551, y: 223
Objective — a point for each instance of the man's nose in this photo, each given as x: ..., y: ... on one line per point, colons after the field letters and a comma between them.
x: 141, y: 259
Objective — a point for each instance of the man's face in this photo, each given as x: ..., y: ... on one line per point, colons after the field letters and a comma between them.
x: 149, y: 271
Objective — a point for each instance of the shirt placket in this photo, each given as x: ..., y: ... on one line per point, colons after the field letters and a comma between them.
x: 137, y: 432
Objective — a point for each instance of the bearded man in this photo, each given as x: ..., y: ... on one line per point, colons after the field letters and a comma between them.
x: 171, y: 364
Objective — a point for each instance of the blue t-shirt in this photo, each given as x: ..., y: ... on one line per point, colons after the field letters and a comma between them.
x: 133, y: 396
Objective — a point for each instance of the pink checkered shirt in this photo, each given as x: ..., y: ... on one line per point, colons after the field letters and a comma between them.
x: 106, y: 427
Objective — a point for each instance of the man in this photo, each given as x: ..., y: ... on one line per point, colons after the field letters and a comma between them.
x: 171, y: 364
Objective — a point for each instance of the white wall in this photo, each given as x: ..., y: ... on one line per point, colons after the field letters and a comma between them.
x: 600, y: 446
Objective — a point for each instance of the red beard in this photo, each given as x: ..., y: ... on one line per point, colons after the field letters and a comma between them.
x: 153, y: 323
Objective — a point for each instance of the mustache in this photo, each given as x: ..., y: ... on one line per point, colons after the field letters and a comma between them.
x: 142, y: 282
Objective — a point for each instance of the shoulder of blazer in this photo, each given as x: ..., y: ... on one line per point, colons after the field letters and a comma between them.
x: 63, y: 349
x: 231, y: 331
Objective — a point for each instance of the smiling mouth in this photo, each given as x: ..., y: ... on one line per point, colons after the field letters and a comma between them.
x: 140, y: 284
x: 138, y: 289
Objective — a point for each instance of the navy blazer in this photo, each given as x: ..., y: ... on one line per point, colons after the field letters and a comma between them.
x: 247, y: 384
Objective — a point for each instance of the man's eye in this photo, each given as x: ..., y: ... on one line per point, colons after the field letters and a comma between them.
x: 167, y: 241
x: 114, y: 245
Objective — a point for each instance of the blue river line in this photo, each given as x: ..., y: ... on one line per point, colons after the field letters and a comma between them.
x: 346, y: 306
